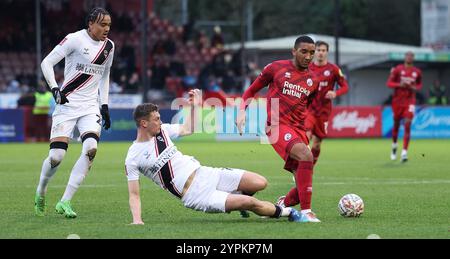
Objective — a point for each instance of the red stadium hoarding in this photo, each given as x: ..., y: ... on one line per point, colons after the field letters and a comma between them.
x: 355, y: 122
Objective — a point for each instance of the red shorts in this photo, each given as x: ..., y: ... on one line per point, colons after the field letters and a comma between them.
x: 317, y: 126
x: 403, y: 111
x: 283, y: 138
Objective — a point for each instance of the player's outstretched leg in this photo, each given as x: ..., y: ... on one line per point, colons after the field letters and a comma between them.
x: 250, y: 184
x: 261, y: 208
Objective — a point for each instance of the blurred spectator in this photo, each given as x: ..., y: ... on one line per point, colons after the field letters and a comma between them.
x: 189, y: 80
x: 187, y: 31
x: 41, y: 111
x: 115, y: 88
x: 160, y: 70
x: 13, y: 87
x: 217, y: 40
x: 133, y: 84
x: 437, y: 94
x: 202, y: 40
x: 177, y: 68
x: 26, y: 103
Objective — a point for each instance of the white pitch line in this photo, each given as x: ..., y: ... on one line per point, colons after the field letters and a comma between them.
x: 352, y: 182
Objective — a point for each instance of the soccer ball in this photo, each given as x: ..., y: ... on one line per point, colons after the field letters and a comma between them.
x: 351, y: 205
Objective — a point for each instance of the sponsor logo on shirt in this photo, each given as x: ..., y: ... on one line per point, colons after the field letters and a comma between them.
x: 296, y: 90
x: 160, y: 161
x: 90, y: 69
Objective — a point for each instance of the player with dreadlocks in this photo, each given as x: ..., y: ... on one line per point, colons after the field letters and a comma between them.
x: 82, y: 102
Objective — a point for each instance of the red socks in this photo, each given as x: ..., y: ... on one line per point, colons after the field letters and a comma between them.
x: 395, y: 131
x: 291, y: 198
x: 407, y: 136
x: 303, y: 192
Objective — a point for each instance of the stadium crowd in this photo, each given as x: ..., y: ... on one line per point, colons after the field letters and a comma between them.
x: 180, y: 57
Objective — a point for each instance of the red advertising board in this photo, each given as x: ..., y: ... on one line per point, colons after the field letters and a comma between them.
x: 355, y: 122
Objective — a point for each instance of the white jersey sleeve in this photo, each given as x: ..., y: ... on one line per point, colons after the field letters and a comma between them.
x: 104, y: 82
x: 173, y: 130
x: 47, y: 68
x: 131, y: 167
x: 67, y: 46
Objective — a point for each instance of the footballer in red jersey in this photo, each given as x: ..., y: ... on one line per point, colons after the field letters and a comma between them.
x: 406, y: 80
x: 329, y: 75
x: 291, y: 89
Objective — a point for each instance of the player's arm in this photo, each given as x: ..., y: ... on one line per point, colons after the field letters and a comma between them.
x: 264, y: 79
x: 342, y: 83
x: 47, y: 68
x: 104, y: 93
x: 394, y: 79
x: 187, y: 128
x: 135, y: 202
x: 132, y: 172
x: 63, y: 49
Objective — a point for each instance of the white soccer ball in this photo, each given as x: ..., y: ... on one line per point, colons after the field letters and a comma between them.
x: 351, y: 205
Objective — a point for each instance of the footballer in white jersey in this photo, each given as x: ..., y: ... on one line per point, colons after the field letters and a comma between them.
x: 201, y: 188
x: 88, y: 55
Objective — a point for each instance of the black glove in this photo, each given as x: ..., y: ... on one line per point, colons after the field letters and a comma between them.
x: 105, y: 116
x: 60, y: 98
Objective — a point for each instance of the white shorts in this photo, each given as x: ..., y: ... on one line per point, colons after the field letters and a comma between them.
x: 210, y: 188
x: 63, y: 125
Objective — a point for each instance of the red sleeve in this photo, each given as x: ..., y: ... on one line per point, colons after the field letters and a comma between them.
x: 343, y: 85
x: 394, y: 79
x: 264, y: 79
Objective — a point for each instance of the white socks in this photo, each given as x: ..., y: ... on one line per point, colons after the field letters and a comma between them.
x: 49, y: 168
x: 394, y: 145
x: 80, y: 169
x: 404, y: 153
x: 306, y: 211
x: 286, y: 211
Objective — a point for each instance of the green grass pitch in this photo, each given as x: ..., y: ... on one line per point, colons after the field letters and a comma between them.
x: 409, y: 200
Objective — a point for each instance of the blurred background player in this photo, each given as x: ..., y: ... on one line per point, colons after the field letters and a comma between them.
x: 320, y: 109
x: 437, y: 94
x: 291, y: 84
x: 201, y: 188
x: 88, y: 55
x: 406, y: 80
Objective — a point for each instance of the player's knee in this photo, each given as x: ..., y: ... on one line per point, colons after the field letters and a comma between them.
x: 316, y: 145
x: 90, y: 141
x: 260, y: 183
x: 57, y: 153
x: 91, y: 154
x: 302, y: 155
